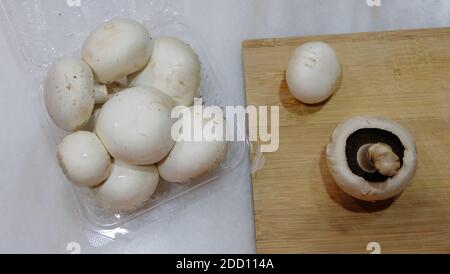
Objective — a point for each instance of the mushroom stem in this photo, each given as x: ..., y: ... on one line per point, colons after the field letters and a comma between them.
x: 104, y: 92
x: 101, y: 94
x: 384, y: 159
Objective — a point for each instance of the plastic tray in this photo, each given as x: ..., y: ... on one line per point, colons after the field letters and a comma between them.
x: 44, y: 30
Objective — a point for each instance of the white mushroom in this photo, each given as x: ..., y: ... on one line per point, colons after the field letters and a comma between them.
x: 313, y: 72
x: 127, y: 186
x: 83, y: 159
x: 69, y: 93
x: 190, y: 159
x: 135, y: 125
x: 174, y: 68
x: 116, y: 49
x: 371, y: 158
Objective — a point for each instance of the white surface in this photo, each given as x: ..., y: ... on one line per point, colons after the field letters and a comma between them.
x: 35, y: 208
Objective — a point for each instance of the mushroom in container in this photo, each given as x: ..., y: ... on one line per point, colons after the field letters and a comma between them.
x: 371, y: 158
x: 69, y: 93
x: 127, y: 186
x: 174, y: 68
x: 116, y: 49
x: 83, y: 159
x: 135, y: 125
x: 189, y: 159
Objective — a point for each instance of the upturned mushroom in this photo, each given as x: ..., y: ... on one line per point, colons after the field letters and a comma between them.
x: 371, y: 158
x: 116, y: 49
x: 174, y: 68
x: 69, y: 93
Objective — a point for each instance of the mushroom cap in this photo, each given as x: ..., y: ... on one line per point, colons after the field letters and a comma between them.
x: 127, y: 186
x: 357, y: 186
x: 116, y: 49
x: 135, y: 125
x: 180, y: 167
x: 69, y: 93
x: 313, y: 72
x: 174, y: 68
x: 83, y: 159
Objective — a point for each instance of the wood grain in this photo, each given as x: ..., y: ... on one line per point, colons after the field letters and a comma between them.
x: 401, y: 75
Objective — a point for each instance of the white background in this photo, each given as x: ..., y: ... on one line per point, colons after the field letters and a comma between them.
x: 36, y: 209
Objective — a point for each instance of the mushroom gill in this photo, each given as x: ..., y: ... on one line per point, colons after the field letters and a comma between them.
x: 374, y: 154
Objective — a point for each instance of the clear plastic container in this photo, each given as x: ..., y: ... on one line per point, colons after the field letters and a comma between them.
x: 42, y: 30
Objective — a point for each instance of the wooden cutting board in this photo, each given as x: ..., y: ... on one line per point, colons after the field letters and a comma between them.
x: 401, y: 75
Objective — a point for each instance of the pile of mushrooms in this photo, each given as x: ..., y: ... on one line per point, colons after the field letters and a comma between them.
x: 116, y: 104
x: 370, y: 158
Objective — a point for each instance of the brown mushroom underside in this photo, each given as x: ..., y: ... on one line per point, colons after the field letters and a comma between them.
x: 366, y: 136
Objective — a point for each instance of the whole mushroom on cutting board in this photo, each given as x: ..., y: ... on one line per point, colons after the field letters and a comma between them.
x: 313, y: 72
x: 372, y: 158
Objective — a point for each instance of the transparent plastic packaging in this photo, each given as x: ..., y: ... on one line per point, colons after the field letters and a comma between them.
x: 43, y: 30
